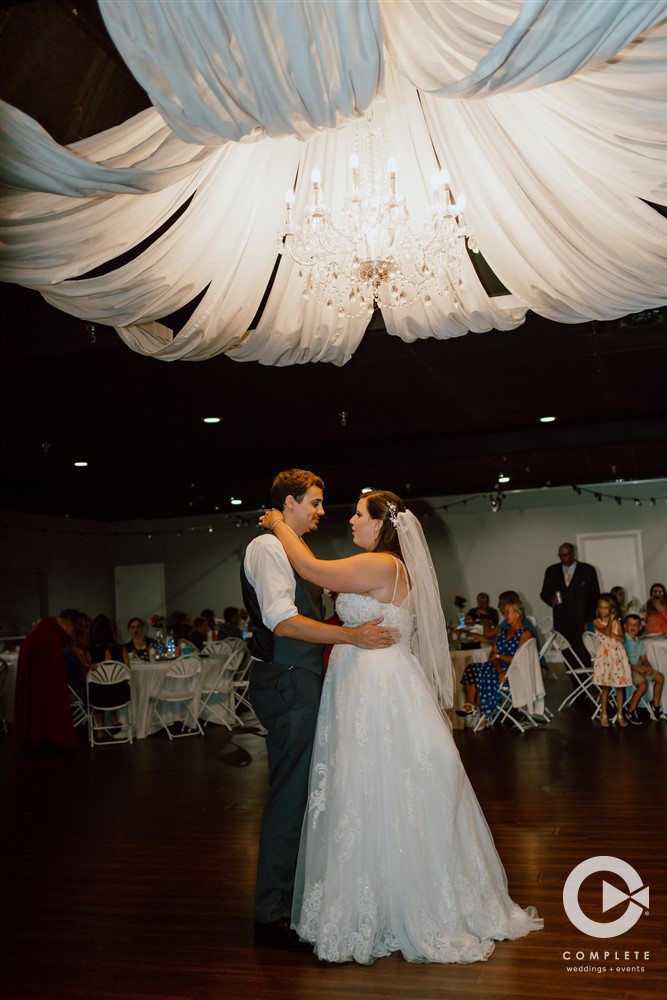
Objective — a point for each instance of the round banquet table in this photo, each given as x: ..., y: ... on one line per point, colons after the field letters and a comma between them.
x: 656, y: 654
x: 146, y: 679
x: 460, y: 660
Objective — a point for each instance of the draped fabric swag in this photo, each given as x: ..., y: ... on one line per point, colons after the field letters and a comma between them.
x: 549, y: 114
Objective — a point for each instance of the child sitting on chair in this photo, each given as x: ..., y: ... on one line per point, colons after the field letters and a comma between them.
x: 610, y: 666
x: 642, y: 673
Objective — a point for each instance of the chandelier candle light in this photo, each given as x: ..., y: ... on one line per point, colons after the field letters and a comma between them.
x: 370, y: 257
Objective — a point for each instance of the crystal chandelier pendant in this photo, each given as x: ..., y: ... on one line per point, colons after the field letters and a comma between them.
x: 370, y: 256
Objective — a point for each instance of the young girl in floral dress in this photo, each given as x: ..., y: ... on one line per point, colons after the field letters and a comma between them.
x: 610, y: 666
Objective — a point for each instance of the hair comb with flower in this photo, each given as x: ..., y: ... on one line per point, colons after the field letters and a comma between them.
x: 393, y: 513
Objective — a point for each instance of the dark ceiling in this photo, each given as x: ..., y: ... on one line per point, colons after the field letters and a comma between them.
x: 433, y: 417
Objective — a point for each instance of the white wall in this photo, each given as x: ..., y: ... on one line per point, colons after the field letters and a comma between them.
x: 73, y: 555
x: 473, y: 549
x: 509, y: 550
x: 201, y: 568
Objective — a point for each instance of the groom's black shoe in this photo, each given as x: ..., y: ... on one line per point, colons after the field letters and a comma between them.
x: 279, y: 934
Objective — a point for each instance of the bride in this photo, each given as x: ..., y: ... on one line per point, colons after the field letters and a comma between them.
x: 395, y: 852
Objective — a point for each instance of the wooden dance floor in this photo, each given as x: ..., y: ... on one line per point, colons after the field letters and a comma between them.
x: 128, y: 871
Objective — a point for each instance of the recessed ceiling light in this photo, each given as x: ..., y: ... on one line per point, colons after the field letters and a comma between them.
x: 81, y: 465
x: 211, y: 420
x: 547, y: 420
x: 503, y: 479
x: 235, y: 502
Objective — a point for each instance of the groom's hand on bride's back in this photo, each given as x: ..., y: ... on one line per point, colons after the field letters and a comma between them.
x: 373, y: 635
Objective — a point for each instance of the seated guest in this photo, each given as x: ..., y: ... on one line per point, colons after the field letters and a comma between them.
x: 619, y: 598
x: 179, y: 626
x: 643, y: 674
x: 139, y: 644
x: 198, y: 634
x: 491, y: 630
x: 105, y: 646
x: 626, y: 605
x: 232, y: 626
x: 656, y: 611
x: 469, y: 633
x: 483, y: 612
x: 211, y: 622
x: 482, y: 680
x: 42, y: 705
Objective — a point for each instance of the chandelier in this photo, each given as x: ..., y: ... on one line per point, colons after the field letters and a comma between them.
x: 370, y: 256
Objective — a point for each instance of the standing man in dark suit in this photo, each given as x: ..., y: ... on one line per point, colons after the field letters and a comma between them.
x: 287, y: 647
x: 571, y: 589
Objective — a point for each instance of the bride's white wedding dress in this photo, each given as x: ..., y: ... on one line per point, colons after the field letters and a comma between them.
x: 395, y: 852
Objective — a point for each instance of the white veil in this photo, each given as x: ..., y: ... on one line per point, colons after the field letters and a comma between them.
x: 430, y: 645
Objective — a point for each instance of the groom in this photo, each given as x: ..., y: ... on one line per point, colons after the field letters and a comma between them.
x: 285, y: 682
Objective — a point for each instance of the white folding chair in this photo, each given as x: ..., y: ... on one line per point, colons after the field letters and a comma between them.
x: 218, y: 697
x: 104, y: 675
x: 548, y: 643
x: 522, y: 691
x: 526, y: 682
x: 241, y: 685
x: 581, y: 675
x: 215, y: 647
x: 79, y: 713
x: 222, y: 695
x: 180, y: 684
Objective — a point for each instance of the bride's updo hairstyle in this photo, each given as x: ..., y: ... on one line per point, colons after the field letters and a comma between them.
x: 378, y: 503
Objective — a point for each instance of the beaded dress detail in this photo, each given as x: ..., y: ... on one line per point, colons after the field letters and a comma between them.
x: 395, y: 852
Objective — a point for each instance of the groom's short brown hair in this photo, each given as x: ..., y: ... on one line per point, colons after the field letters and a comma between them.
x: 293, y: 482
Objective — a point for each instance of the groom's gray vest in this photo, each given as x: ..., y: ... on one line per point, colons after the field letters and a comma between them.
x: 279, y: 649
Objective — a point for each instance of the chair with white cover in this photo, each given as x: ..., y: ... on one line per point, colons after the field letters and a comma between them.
x: 580, y: 674
x: 522, y: 692
x: 181, y: 685
x: 108, y: 690
x: 222, y: 689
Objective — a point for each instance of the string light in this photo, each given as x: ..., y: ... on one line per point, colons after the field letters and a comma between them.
x: 249, y: 520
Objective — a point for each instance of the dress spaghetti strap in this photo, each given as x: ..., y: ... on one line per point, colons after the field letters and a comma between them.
x: 398, y: 567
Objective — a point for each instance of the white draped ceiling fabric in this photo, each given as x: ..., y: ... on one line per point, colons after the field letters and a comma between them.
x: 549, y: 115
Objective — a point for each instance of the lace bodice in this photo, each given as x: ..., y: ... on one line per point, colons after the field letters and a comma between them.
x: 354, y: 609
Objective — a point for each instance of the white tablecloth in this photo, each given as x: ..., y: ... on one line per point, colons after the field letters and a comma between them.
x: 146, y: 679
x: 656, y: 654
x: 460, y: 660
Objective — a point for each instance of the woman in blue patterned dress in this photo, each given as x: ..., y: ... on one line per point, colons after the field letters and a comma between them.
x: 482, y: 680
